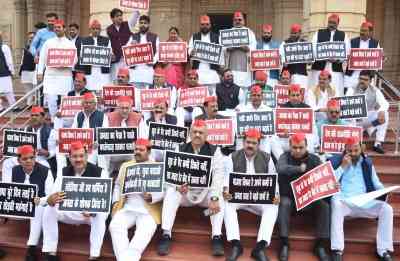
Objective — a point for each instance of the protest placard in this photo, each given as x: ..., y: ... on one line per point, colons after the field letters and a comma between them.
x: 331, y: 51
x: 366, y: 59
x: 262, y: 120
x: 95, y: 55
x: 12, y: 139
x: 149, y: 96
x: 135, y: 4
x: 167, y: 136
x: 353, y: 107
x: 220, y: 132
x: 265, y: 59
x: 334, y: 137
x: 269, y: 98
x: 68, y: 135
x: 112, y: 92
x: 143, y: 177
x: 235, y: 37
x: 17, y: 200
x: 282, y: 94
x: 207, y: 52
x: 294, y: 120
x: 70, y: 106
x: 135, y: 54
x: 116, y: 140
x: 172, y: 52
x: 299, y: 52
x: 192, y: 96
x: 60, y: 57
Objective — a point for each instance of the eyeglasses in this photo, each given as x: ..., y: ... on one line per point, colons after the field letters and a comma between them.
x: 333, y: 112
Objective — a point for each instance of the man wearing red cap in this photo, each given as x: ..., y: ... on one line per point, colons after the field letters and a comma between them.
x: 237, y: 57
x: 142, y: 210
x: 357, y: 176
x: 261, y: 78
x: 123, y: 76
x: 209, y: 110
x: 364, y: 41
x: 79, y: 167
x: 6, y: 74
x: 185, y: 196
x: 160, y: 114
x: 208, y: 73
x: 250, y: 160
x: 159, y: 82
x: 267, y: 43
x: 330, y: 34
x: 285, y: 78
x: 292, y: 165
x: 97, y: 76
x: 332, y: 116
x: 56, y: 81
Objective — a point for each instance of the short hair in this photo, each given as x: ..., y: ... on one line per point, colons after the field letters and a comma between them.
x: 225, y: 71
x: 74, y: 25
x: 368, y: 73
x: 40, y: 25
x: 48, y: 15
x: 31, y: 33
x: 173, y: 28
x: 115, y: 11
x: 145, y: 18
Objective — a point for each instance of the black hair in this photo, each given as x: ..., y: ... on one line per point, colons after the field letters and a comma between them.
x: 48, y: 15
x: 115, y: 11
x: 224, y: 71
x: 368, y: 73
x: 145, y: 18
x: 40, y: 25
x: 74, y: 25
x: 174, y: 28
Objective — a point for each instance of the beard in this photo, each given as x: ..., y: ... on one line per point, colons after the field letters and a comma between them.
x: 228, y: 82
x: 204, y: 30
x: 144, y: 30
x: 266, y: 39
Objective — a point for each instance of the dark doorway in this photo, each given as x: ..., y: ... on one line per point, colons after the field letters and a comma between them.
x: 221, y: 21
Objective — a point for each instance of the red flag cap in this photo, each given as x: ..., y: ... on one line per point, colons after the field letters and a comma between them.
x: 333, y: 104
x: 25, y: 149
x: 95, y: 24
x: 199, y: 123
x: 205, y: 19
x: 88, y: 96
x: 334, y: 17
x: 159, y: 71
x: 125, y: 99
x: 286, y: 73
x: 59, y: 22
x: 352, y: 141
x: 123, y: 72
x: 325, y: 73
x: 160, y: 101
x: 80, y: 76
x: 143, y: 142
x: 295, y: 28
x: 253, y: 133
x: 267, y: 27
x: 37, y: 109
x: 238, y: 14
x: 368, y: 25
x: 261, y: 76
x: 210, y: 99
x: 192, y: 73
x: 76, y: 145
x: 256, y: 89
x: 298, y: 138
x: 295, y: 88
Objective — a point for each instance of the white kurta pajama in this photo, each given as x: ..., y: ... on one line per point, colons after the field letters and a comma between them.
x: 6, y: 84
x: 317, y: 104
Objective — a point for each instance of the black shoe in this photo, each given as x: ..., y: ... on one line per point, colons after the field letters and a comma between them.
x: 386, y: 257
x: 321, y: 254
x: 284, y: 253
x: 217, y: 246
x: 51, y: 258
x: 237, y: 251
x: 337, y: 255
x: 259, y: 255
x: 2, y: 253
x: 378, y: 149
x: 164, y: 245
x: 31, y: 254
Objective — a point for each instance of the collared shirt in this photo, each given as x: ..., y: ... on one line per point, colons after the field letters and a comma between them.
x: 250, y: 165
x: 40, y: 38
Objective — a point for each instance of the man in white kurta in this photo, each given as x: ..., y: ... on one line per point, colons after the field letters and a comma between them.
x: 56, y: 81
x: 6, y: 74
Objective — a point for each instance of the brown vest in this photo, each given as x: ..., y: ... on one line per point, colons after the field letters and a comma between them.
x: 261, y: 161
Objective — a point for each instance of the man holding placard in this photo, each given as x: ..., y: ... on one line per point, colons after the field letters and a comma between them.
x: 134, y: 209
x: 250, y: 160
x: 357, y: 175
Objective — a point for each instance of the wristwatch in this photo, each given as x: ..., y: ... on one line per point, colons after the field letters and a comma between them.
x: 214, y: 198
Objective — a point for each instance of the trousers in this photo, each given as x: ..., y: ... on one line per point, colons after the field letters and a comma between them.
x: 380, y: 129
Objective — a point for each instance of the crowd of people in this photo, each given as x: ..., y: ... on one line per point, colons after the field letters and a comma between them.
x: 232, y: 88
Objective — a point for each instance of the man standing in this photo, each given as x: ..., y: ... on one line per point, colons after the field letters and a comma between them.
x: 330, y: 34
x: 123, y: 77
x: 228, y: 93
x: 250, y: 160
x: 6, y: 73
x: 43, y: 35
x: 184, y: 196
x: 141, y: 210
x: 356, y: 175
x: 79, y: 167
x: 208, y: 73
x: 377, y: 107
x: 73, y: 34
x: 292, y: 165
x: 28, y: 68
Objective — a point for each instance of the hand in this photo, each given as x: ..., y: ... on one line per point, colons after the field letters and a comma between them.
x: 213, y: 206
x: 192, y: 53
x: 43, y: 152
x: 86, y: 214
x: 346, y: 161
x: 147, y: 197
x: 36, y: 200
x: 226, y: 194
x: 183, y: 189
x: 276, y: 200
x: 36, y: 59
x: 303, y: 167
x: 58, y: 114
x: 381, y: 117
x: 56, y: 198
x: 40, y: 78
x: 337, y: 185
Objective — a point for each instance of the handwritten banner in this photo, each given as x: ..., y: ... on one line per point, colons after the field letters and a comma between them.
x: 70, y: 106
x: 143, y: 177
x: 95, y: 55
x: 353, y: 107
x: 135, y: 4
x: 331, y: 50
x: 220, y: 132
x: 172, y: 52
x: 282, y: 94
x: 136, y: 54
x: 334, y: 137
x: 262, y: 120
x: 265, y: 59
x: 167, y: 136
x: 299, y: 52
x: 112, y: 92
x: 68, y: 135
x: 116, y: 140
x: 149, y: 96
x: 12, y: 139
x: 60, y: 57
x: 192, y: 96
x: 207, y: 52
x: 17, y: 200
x: 366, y: 59
x: 235, y: 37
x: 294, y: 120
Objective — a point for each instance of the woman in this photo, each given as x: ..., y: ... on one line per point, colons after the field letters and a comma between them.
x: 175, y: 72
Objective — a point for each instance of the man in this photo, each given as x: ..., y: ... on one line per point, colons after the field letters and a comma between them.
x: 79, y: 167
x: 160, y: 114
x: 123, y: 77
x: 6, y: 74
x: 292, y: 165
x: 250, y: 160
x: 228, y: 93
x: 56, y: 81
x: 28, y: 68
x: 364, y: 41
x: 29, y: 171
x: 298, y: 71
x: 43, y: 35
x: 330, y: 34
x: 261, y: 78
x: 185, y: 196
x: 267, y: 43
x: 377, y: 107
x: 97, y: 76
x: 134, y: 209
x: 285, y: 78
x: 209, y: 111
x: 356, y: 175
x: 73, y: 33
x: 332, y: 116
x: 237, y: 57
x: 208, y: 73
x: 119, y: 33
x: 159, y: 82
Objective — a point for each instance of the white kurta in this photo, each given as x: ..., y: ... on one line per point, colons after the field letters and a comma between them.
x: 6, y: 85
x: 315, y: 104
x: 96, y: 80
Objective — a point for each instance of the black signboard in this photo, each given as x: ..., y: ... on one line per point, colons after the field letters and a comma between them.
x: 331, y: 51
x: 17, y: 200
x: 95, y: 55
x: 262, y: 120
x: 12, y: 139
x: 116, y: 140
x: 269, y: 98
x: 185, y: 168
x: 235, y: 37
x: 91, y: 195
x: 299, y: 52
x: 252, y: 188
x: 166, y: 136
x: 143, y: 177
x: 353, y: 107
x: 207, y: 52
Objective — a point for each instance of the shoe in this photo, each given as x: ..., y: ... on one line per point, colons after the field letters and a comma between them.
x: 164, y: 245
x: 378, y: 149
x: 284, y: 253
x: 259, y: 255
x: 237, y: 251
x: 31, y: 254
x: 51, y: 258
x: 321, y: 254
x: 2, y: 253
x: 217, y: 246
x: 337, y: 255
x: 386, y: 257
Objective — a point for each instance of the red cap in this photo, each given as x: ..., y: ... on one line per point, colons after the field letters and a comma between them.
x: 59, y: 22
x: 25, y: 149
x: 267, y: 27
x: 123, y: 71
x: 297, y: 138
x: 37, y: 109
x: 295, y: 88
x: 125, y: 99
x: 159, y: 71
x: 368, y: 25
x: 88, y: 96
x: 334, y: 17
x: 76, y: 145
x: 295, y: 28
x: 199, y: 123
x: 210, y: 99
x: 261, y: 76
x: 253, y: 133
x: 192, y: 72
x: 160, y: 100
x: 285, y: 73
x: 333, y: 103
x: 80, y: 76
x: 238, y: 14
x: 205, y: 19
x: 352, y: 141
x: 95, y: 24
x: 325, y: 73
x: 255, y: 89
x: 143, y: 142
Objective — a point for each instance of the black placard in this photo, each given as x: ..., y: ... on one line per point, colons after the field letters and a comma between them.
x: 299, y: 52
x: 95, y: 55
x: 166, y: 136
x: 116, y: 140
x: 143, y: 177
x: 353, y: 107
x: 207, y: 52
x: 12, y: 139
x: 269, y: 98
x: 185, y: 168
x: 262, y: 120
x: 17, y: 200
x: 252, y: 188
x: 91, y: 195
x: 331, y: 50
x: 235, y: 37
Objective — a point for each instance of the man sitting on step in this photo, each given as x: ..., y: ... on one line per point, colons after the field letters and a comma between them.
x: 357, y: 175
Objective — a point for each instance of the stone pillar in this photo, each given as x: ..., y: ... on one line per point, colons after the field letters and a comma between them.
x: 32, y: 15
x: 57, y: 6
x: 164, y: 14
x: 20, y: 30
x: 286, y: 12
